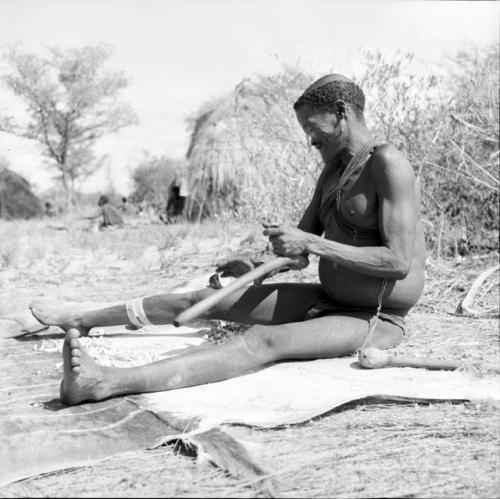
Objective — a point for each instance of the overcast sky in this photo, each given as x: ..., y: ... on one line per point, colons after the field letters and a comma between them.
x: 180, y: 53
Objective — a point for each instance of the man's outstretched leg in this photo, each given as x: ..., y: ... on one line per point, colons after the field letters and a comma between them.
x: 160, y: 309
x: 331, y: 336
x: 265, y: 304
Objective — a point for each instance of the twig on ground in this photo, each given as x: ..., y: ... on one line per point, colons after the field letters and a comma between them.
x: 465, y: 306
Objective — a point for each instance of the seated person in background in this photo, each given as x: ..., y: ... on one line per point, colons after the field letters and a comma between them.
x: 49, y: 210
x: 126, y: 208
x: 110, y: 216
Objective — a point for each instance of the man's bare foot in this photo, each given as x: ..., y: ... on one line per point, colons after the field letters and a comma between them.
x: 55, y: 313
x: 84, y: 379
x: 11, y: 327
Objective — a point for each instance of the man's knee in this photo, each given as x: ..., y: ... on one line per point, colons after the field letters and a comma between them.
x: 193, y: 297
x: 262, y: 342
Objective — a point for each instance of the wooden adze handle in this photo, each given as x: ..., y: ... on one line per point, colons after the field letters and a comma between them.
x: 202, y: 306
x: 373, y: 358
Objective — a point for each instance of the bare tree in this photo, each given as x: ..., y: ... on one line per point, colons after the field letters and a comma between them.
x: 71, y: 101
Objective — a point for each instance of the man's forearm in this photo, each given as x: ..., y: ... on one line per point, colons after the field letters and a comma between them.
x: 376, y: 261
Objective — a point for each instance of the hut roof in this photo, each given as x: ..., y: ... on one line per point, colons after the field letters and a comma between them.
x: 16, y: 197
x: 247, y: 142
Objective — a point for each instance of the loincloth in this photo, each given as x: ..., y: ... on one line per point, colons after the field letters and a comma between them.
x: 325, y: 307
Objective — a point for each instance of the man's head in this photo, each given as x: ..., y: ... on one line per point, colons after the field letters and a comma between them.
x: 327, y: 110
x: 102, y: 200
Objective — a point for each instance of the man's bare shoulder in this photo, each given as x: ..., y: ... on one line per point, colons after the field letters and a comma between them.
x: 388, y: 164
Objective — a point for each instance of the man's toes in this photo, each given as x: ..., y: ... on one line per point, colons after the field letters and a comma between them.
x: 74, y: 344
x: 75, y: 352
x: 75, y: 369
x: 69, y: 337
x: 72, y: 333
x: 75, y: 361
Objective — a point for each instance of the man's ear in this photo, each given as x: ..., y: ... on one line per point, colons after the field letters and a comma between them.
x: 340, y: 108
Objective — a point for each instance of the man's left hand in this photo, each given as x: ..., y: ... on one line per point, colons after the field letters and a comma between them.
x: 286, y: 240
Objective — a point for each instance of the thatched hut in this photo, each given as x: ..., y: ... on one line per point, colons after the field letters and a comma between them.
x: 17, y: 200
x: 248, y: 156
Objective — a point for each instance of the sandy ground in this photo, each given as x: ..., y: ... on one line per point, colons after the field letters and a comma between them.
x: 440, y: 450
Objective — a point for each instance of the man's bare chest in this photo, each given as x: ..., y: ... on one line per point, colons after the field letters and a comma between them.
x: 358, y: 205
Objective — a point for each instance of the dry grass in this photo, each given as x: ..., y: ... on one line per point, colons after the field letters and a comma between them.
x: 388, y: 450
x: 439, y: 450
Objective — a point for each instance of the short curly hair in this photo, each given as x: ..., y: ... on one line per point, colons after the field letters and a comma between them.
x: 325, y: 95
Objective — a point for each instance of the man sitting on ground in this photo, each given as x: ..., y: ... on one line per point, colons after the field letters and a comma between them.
x: 371, y: 270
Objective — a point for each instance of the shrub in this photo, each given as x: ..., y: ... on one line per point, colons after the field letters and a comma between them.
x: 448, y: 127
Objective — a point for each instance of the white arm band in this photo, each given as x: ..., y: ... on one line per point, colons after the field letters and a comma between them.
x: 136, y: 314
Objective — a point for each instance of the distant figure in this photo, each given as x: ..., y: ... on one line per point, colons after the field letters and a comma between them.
x: 49, y: 209
x: 123, y: 207
x: 110, y: 215
x: 149, y: 212
x: 126, y: 208
x: 175, y: 203
x: 177, y: 198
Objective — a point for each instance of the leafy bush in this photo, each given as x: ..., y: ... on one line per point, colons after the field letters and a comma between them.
x: 448, y: 127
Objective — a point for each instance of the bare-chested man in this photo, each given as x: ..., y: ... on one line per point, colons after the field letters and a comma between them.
x: 371, y: 257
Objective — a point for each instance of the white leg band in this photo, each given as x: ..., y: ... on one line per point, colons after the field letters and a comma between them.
x: 136, y: 314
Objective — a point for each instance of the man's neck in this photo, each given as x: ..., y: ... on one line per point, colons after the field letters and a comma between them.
x: 357, y: 138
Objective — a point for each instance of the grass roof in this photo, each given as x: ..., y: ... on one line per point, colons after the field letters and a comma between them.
x: 248, y: 155
x: 16, y: 197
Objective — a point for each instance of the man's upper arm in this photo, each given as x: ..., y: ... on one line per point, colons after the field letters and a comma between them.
x: 310, y: 221
x: 397, y: 212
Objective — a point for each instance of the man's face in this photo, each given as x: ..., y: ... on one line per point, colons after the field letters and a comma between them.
x: 324, y: 130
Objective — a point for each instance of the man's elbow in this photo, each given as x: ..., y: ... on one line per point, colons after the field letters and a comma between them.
x: 401, y: 268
